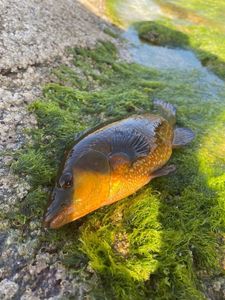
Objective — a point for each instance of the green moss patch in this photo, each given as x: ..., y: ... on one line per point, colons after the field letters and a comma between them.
x: 111, y: 33
x: 159, y: 34
x: 157, y: 243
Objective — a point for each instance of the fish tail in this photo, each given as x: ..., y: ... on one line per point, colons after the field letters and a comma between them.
x: 166, y: 110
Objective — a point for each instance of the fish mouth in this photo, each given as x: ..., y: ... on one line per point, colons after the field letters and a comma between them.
x: 49, y: 218
x: 60, y: 209
x: 56, y: 220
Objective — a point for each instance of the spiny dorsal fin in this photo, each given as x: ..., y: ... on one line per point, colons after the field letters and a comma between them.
x: 166, y: 110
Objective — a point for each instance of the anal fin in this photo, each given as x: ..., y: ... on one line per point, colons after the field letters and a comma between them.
x: 182, y: 137
x: 163, y: 171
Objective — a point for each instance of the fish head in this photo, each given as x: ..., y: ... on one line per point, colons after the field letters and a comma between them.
x: 80, y: 191
x: 61, y: 202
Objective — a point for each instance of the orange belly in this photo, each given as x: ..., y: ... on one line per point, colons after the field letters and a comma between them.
x: 125, y: 182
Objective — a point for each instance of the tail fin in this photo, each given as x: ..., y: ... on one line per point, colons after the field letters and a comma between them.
x: 182, y: 137
x: 166, y: 110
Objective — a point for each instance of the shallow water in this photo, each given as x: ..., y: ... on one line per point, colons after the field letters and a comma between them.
x: 157, y: 56
x: 164, y: 58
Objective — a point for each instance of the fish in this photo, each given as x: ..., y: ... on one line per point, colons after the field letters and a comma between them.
x: 114, y: 161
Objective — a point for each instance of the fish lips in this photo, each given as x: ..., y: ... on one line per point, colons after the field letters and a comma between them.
x: 60, y: 199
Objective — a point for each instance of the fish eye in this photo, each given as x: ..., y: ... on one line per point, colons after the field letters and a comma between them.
x: 67, y: 184
x: 66, y: 181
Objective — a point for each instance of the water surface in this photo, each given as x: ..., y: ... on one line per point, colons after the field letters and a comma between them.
x: 164, y: 58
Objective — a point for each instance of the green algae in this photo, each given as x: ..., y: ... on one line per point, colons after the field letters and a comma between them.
x: 111, y: 33
x: 111, y: 12
x: 159, y: 34
x: 212, y: 9
x: 156, y: 243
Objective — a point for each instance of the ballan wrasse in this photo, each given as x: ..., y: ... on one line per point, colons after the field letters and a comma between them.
x: 110, y: 163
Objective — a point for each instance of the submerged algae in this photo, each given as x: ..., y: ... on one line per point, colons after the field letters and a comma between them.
x: 156, y: 243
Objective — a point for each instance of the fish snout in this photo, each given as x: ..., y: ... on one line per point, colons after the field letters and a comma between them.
x: 60, y: 200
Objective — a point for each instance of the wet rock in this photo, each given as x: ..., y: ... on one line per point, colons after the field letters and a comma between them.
x: 217, y: 286
x: 8, y: 289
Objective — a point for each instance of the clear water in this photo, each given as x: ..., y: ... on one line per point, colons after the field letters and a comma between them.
x: 159, y: 57
x: 163, y: 58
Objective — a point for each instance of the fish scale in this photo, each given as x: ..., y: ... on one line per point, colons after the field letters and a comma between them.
x: 126, y: 182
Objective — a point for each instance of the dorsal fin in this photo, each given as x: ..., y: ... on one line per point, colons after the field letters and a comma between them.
x: 166, y: 110
x: 78, y: 137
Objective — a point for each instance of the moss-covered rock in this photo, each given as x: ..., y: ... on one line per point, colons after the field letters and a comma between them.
x: 159, y: 34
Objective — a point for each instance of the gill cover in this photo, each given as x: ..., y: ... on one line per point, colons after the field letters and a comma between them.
x: 92, y: 182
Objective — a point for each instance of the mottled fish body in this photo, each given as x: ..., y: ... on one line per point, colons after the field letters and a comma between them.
x: 113, y: 162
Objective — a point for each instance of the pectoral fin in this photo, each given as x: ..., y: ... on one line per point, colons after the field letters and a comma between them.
x: 131, y: 142
x: 163, y: 171
x: 119, y: 160
x: 182, y: 137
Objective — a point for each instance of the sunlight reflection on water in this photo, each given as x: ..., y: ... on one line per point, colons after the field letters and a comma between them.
x: 130, y: 11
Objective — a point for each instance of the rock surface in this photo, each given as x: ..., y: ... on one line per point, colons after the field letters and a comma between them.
x: 34, y: 36
x: 34, y: 32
